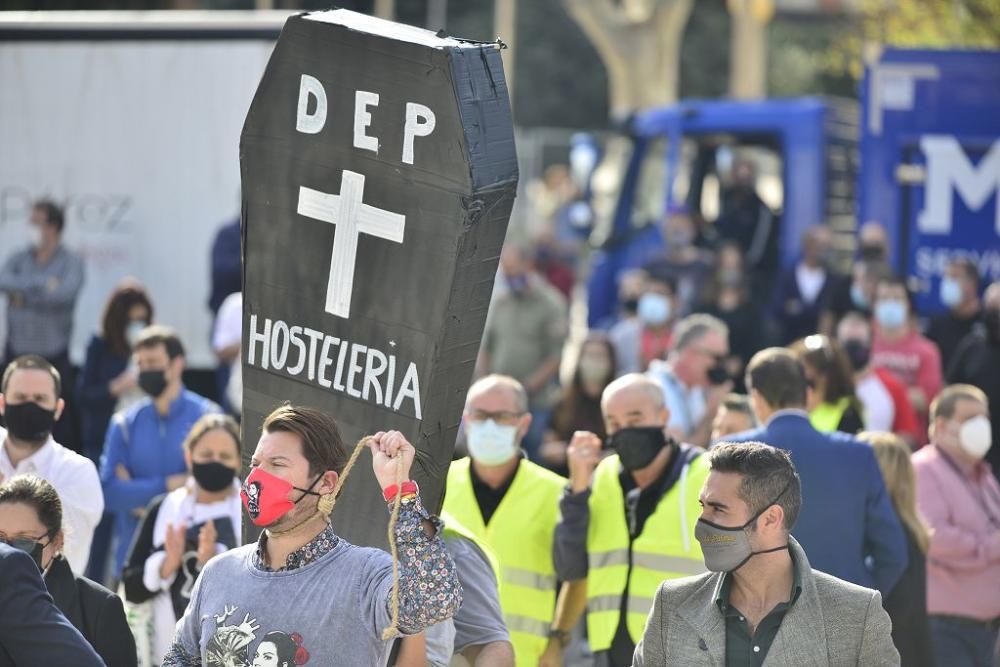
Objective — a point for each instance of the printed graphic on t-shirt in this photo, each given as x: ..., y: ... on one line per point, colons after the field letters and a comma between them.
x: 242, y: 645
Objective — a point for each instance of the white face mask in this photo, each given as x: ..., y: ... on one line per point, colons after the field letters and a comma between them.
x: 133, y: 330
x: 490, y: 443
x: 975, y: 436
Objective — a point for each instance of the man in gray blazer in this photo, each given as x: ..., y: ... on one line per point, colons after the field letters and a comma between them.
x: 761, y: 604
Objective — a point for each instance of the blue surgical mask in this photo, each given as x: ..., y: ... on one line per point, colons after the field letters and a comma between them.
x: 490, y: 443
x: 950, y: 292
x: 858, y: 297
x: 654, y: 309
x: 890, y: 313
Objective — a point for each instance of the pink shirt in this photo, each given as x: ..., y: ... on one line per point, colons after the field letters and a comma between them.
x: 963, y: 565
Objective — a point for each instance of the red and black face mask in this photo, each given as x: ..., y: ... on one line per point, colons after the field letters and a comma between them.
x: 265, y: 496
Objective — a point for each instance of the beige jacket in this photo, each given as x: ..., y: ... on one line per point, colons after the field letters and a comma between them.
x: 832, y: 624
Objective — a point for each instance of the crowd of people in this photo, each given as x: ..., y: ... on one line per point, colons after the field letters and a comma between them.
x: 743, y: 462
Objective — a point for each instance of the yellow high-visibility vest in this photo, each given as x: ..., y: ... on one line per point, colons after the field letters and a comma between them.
x: 453, y: 526
x: 666, y: 549
x: 826, y: 417
x: 520, y: 533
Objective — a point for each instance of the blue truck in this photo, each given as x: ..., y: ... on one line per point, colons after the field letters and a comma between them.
x: 920, y: 153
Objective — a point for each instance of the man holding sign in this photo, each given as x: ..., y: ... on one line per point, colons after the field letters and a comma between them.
x: 331, y: 600
x: 378, y: 176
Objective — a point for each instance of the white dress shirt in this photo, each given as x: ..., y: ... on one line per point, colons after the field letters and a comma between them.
x: 75, y: 479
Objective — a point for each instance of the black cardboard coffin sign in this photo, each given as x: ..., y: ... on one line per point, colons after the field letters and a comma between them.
x: 378, y: 172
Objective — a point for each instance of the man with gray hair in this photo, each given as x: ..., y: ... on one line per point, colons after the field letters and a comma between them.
x: 762, y: 602
x: 511, y: 505
x: 628, y: 518
x: 694, y: 377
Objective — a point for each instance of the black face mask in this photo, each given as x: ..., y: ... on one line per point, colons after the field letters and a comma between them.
x: 32, y: 547
x: 858, y: 352
x: 871, y: 252
x: 630, y: 306
x: 153, y: 383
x: 638, y: 446
x: 29, y: 422
x: 213, y: 476
x: 718, y: 374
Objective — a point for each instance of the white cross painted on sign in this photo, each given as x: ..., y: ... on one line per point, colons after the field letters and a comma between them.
x: 350, y: 218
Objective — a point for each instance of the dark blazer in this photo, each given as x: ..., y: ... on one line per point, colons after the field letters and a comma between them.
x: 100, y: 367
x: 32, y: 629
x: 846, y: 514
x: 797, y: 318
x: 95, y: 611
x: 907, y: 607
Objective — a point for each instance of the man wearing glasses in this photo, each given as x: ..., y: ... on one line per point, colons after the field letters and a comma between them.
x: 513, y: 505
x: 694, y: 377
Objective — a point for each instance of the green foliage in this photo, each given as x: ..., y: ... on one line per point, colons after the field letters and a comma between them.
x: 933, y: 23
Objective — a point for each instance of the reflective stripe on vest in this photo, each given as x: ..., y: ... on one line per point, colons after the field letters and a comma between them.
x: 520, y: 533
x: 665, y: 549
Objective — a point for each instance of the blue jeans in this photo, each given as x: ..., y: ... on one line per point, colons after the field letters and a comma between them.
x: 963, y: 643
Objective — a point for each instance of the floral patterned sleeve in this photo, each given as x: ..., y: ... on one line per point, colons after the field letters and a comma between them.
x: 429, y: 591
x: 178, y: 657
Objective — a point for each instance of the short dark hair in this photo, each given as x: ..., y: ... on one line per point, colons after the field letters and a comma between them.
x: 32, y: 362
x: 322, y: 444
x: 779, y: 377
x: 666, y: 281
x: 969, y: 268
x: 38, y: 494
x: 53, y: 214
x: 896, y: 280
x: 128, y: 294
x: 157, y: 334
x: 769, y: 476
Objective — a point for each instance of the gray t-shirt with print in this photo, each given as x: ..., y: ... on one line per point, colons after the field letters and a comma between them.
x: 333, y: 608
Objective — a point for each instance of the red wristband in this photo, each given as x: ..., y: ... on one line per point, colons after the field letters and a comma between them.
x: 409, y: 488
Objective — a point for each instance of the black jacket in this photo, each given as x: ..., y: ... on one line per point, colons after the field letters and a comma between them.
x: 907, y: 607
x: 32, y: 629
x: 95, y: 611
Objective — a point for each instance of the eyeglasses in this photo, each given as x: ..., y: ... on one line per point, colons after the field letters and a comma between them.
x: 501, y: 416
x: 716, y: 356
x: 25, y: 544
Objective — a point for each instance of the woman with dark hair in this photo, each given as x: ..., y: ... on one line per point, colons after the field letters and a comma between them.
x: 277, y: 649
x: 106, y: 382
x: 579, y: 406
x: 31, y: 520
x: 832, y: 403
x: 183, y: 529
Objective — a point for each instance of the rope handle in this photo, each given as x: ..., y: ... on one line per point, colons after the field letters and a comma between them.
x: 329, y: 501
x: 393, y: 629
